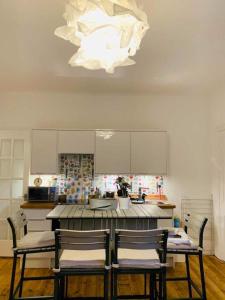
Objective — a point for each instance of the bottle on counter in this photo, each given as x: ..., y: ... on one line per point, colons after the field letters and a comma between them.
x: 97, y: 193
x: 139, y: 193
x: 86, y: 195
x: 176, y: 222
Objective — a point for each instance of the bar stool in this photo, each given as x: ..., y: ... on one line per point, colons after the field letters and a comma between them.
x: 140, y: 252
x: 81, y: 253
x: 184, y: 245
x: 30, y: 243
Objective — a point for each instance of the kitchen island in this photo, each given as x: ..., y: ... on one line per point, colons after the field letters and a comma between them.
x: 80, y: 217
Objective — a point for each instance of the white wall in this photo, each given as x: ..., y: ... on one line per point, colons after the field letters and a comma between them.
x: 218, y: 110
x: 186, y: 118
x: 218, y: 170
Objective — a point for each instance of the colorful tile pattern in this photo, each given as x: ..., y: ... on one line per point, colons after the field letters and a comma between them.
x: 77, y: 180
x: 148, y: 184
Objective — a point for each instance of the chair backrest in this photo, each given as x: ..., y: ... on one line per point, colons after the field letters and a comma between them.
x: 142, y: 239
x: 81, y: 240
x: 17, y: 224
x: 201, y: 224
x: 201, y: 232
x: 186, y: 222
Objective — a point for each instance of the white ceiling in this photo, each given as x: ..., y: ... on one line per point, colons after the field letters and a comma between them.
x: 184, y: 49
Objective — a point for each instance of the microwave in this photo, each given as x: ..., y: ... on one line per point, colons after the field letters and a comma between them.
x: 39, y: 194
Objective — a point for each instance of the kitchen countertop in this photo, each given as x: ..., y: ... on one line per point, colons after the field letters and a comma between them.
x: 50, y: 205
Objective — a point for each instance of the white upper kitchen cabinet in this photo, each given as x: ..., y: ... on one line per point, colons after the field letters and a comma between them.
x: 112, y: 152
x: 44, y: 152
x: 149, y: 152
x: 80, y: 142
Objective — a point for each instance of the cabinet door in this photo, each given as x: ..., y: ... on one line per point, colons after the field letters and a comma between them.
x: 76, y: 142
x: 43, y: 152
x: 149, y: 153
x: 112, y: 152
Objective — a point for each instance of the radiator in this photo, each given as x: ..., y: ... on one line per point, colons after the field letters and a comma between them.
x: 198, y: 209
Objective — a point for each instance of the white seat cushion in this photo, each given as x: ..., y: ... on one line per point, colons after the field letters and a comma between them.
x: 82, y: 259
x: 37, y: 239
x: 182, y: 243
x: 135, y: 258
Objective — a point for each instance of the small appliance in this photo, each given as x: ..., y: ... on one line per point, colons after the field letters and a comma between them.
x: 39, y: 194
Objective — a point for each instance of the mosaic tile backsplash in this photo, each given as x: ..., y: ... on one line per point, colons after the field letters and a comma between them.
x: 78, y: 188
x: 148, y: 184
x: 76, y: 179
x: 77, y: 166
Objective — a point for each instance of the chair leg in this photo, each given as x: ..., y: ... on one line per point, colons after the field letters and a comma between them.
x: 11, y: 291
x: 115, y: 278
x: 188, y: 275
x: 66, y: 285
x: 156, y: 286
x: 111, y: 285
x: 164, y: 287
x: 202, y: 274
x: 22, y: 275
x: 160, y: 293
x: 152, y: 287
x: 56, y: 288
x: 106, y: 285
x: 62, y: 287
x: 145, y: 284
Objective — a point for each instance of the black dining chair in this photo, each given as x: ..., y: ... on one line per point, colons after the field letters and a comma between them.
x: 140, y: 252
x: 81, y: 253
x: 188, y: 249
x: 30, y: 243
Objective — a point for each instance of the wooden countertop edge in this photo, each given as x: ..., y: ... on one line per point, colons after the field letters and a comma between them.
x: 38, y: 205
x: 50, y: 205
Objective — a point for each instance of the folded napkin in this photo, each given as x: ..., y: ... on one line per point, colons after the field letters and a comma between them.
x: 178, y: 239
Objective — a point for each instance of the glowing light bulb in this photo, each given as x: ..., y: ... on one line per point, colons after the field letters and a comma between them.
x: 107, y: 32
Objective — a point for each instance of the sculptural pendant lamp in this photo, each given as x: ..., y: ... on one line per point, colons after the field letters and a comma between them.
x: 106, y: 32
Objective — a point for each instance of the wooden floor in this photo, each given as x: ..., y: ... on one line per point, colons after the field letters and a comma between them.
x: 92, y: 286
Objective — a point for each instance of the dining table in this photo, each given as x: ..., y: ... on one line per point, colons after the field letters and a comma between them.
x: 81, y: 217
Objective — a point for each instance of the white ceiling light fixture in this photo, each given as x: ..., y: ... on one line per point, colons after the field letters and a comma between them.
x: 106, y: 135
x: 107, y: 32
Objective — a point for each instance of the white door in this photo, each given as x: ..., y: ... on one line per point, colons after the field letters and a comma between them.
x: 14, y: 154
x: 76, y: 142
x: 219, y: 195
x: 44, y: 152
x: 149, y: 152
x: 112, y: 152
